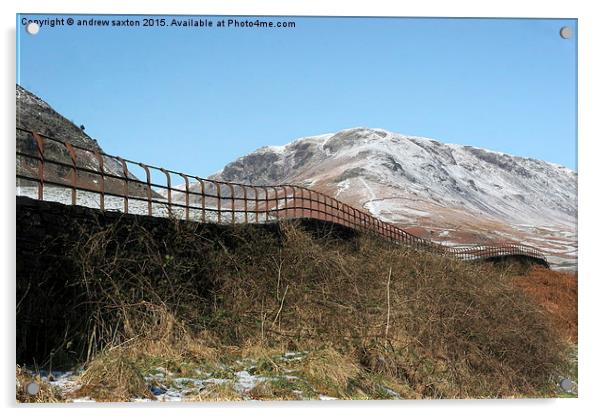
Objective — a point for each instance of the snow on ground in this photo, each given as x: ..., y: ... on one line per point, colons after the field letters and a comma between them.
x: 342, y: 187
x: 242, y: 377
x: 374, y: 209
x: 387, y: 211
x: 92, y: 200
x: 139, y: 207
x: 162, y: 384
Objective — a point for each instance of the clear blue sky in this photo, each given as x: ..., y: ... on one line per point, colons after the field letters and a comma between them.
x: 195, y: 99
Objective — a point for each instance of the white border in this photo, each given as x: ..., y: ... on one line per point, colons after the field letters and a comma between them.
x: 589, y: 153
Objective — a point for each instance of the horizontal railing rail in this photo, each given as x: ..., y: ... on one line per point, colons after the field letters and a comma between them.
x: 52, y: 169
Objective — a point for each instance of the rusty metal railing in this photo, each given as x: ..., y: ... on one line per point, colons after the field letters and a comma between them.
x: 52, y: 169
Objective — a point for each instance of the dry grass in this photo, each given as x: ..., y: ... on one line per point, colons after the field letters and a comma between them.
x: 113, y: 377
x: 454, y: 329
x: 47, y: 393
x: 364, y: 310
x: 267, y: 390
x: 329, y: 371
x: 223, y: 392
x: 116, y: 374
x: 257, y: 350
x: 556, y: 292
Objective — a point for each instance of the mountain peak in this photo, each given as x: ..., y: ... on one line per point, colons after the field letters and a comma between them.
x: 427, y: 185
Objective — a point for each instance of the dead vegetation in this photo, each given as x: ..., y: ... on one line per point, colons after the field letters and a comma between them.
x: 224, y: 392
x: 376, y: 320
x: 46, y: 394
x: 329, y: 371
x: 556, y: 292
x: 113, y: 376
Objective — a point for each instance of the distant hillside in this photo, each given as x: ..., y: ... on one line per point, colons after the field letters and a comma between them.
x: 35, y: 114
x: 452, y: 193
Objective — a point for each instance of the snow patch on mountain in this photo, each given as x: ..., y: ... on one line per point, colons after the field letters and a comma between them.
x: 420, y: 182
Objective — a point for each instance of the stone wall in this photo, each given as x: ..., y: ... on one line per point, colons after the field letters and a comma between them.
x: 48, y: 297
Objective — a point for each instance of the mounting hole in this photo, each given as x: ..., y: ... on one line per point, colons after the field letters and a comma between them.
x: 32, y: 28
x: 566, y: 385
x: 32, y: 388
x: 566, y: 32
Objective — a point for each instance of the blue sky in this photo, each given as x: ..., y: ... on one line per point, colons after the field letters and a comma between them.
x: 195, y: 99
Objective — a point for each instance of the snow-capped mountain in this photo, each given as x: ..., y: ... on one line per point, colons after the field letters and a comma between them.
x: 450, y: 193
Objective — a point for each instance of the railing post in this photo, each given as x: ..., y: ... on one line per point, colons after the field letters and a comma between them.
x: 321, y: 206
x: 294, y: 201
x: 232, y: 203
x: 187, y: 196
x: 277, y: 207
x: 126, y: 190
x: 256, y: 205
x: 149, y: 195
x: 219, y: 202
x: 330, y: 206
x: 285, y: 201
x: 40, y: 146
x: 102, y: 179
x: 73, y: 157
x: 244, y: 193
x: 168, y: 177
x: 202, y: 192
x: 267, y: 218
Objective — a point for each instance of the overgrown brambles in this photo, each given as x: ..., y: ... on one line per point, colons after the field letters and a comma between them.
x: 362, y: 309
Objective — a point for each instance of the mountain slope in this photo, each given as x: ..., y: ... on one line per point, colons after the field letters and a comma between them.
x: 35, y: 114
x: 451, y: 193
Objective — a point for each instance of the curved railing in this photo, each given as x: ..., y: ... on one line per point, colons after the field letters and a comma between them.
x: 52, y: 169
